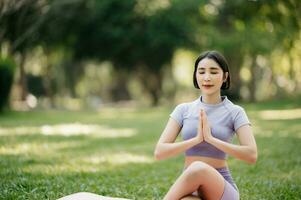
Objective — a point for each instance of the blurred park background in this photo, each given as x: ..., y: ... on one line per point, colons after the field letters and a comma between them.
x: 70, y: 68
x: 85, y: 53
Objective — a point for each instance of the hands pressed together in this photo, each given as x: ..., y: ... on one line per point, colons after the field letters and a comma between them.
x: 204, y: 130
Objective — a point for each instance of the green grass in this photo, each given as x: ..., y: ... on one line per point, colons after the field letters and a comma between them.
x: 46, y: 155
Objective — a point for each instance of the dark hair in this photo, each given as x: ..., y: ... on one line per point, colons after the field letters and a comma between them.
x: 220, y: 60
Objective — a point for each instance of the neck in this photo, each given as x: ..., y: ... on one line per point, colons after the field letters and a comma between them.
x: 211, y: 99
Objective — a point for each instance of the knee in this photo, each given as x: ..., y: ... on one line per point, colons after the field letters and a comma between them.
x: 197, y: 169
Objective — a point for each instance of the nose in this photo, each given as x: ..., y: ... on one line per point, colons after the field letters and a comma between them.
x: 206, y: 77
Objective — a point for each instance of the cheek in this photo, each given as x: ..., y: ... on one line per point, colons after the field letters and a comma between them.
x: 219, y: 78
x: 198, y: 78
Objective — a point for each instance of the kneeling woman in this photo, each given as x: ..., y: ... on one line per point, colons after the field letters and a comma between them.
x: 207, y: 126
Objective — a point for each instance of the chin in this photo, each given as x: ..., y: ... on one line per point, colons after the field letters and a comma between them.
x: 209, y: 93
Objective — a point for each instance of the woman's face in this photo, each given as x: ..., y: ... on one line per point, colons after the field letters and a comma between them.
x: 210, y: 76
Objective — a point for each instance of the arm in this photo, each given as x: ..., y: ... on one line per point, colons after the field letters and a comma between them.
x: 246, y: 151
x: 166, y: 146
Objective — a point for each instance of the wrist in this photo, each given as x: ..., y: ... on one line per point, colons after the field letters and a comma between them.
x: 196, y: 140
x: 210, y: 140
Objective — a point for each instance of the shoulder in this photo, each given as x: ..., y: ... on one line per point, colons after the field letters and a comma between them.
x: 180, y: 112
x: 182, y: 107
x: 234, y: 109
x: 185, y: 108
x: 238, y: 115
x: 187, y: 105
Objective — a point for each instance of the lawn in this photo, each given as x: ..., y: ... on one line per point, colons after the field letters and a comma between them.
x: 46, y: 155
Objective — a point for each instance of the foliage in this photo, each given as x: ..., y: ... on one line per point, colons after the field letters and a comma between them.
x: 134, y: 40
x: 140, y: 37
x: 35, y: 85
x: 19, y: 24
x: 7, y: 69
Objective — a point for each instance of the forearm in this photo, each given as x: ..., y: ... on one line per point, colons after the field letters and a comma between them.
x: 166, y: 150
x: 245, y: 153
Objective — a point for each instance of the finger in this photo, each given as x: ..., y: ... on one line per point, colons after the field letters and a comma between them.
x: 201, y: 124
x: 201, y: 117
x: 204, y: 114
x: 204, y: 121
x: 204, y: 117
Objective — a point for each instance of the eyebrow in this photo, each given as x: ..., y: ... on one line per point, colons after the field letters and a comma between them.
x: 203, y: 68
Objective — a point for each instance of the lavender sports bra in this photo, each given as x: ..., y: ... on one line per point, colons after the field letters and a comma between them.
x: 224, y: 119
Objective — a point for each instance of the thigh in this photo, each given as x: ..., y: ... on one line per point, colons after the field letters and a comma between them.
x: 212, y: 182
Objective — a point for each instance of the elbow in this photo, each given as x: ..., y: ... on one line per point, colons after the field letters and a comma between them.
x: 252, y: 159
x: 158, y: 155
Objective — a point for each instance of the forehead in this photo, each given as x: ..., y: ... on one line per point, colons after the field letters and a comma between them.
x: 208, y: 63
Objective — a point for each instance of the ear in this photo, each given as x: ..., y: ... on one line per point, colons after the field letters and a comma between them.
x: 226, y: 74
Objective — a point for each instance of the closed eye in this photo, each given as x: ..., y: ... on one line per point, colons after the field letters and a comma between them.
x: 200, y: 72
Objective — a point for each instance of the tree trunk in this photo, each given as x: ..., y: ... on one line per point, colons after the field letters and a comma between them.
x: 252, y: 84
x: 48, y: 85
x: 152, y: 83
x: 74, y: 71
x: 119, y: 90
x: 155, y: 89
x: 22, y: 80
x: 235, y: 66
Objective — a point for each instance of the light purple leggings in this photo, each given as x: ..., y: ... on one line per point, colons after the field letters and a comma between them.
x: 230, y: 191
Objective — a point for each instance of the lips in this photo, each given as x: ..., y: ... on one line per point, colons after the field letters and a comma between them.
x: 207, y: 86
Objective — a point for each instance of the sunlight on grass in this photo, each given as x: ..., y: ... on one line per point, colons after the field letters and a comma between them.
x: 262, y: 132
x: 280, y: 114
x: 119, y: 159
x: 281, y: 131
x: 36, y: 148
x: 70, y: 130
x: 48, y: 155
x: 89, y: 164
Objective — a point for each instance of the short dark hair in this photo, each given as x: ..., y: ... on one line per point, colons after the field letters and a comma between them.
x: 220, y: 60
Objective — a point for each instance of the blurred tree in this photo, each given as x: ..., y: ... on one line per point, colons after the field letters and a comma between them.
x: 285, y: 17
x: 165, y: 32
x: 139, y: 37
x: 59, y: 32
x: 52, y: 24
x: 244, y: 30
x: 136, y: 39
x: 35, y: 85
x: 7, y: 68
x: 20, y: 21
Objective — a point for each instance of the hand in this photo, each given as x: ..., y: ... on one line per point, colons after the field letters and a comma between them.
x: 206, y: 127
x: 199, y: 137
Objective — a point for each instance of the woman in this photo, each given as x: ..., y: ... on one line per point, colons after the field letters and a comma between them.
x: 207, y: 126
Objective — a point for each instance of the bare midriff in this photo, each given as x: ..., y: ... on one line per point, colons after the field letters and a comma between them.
x: 215, y: 163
